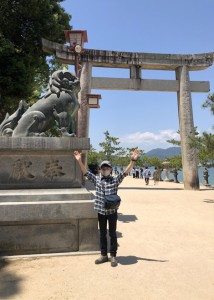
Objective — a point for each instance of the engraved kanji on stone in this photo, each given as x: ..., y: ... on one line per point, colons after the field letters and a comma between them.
x: 21, y: 170
x: 53, y: 169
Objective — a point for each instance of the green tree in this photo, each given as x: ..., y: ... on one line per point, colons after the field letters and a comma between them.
x: 155, y: 161
x: 24, y: 69
x: 146, y: 161
x: 94, y: 157
x: 110, y: 146
x: 209, y: 103
x: 175, y: 162
x: 204, y: 144
x: 120, y: 158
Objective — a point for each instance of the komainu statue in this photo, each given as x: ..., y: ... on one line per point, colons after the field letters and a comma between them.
x: 55, y: 112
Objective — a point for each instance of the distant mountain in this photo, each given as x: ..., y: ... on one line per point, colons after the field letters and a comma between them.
x: 163, y: 153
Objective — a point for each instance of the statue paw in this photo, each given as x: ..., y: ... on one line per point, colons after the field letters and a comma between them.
x: 66, y: 133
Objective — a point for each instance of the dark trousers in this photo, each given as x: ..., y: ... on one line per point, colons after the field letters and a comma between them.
x: 112, y: 225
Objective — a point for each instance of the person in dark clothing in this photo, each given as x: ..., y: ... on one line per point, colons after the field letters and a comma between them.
x: 106, y: 184
x: 147, y: 174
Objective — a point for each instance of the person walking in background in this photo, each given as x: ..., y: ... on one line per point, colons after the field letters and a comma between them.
x: 141, y: 172
x: 115, y: 170
x: 106, y: 184
x: 155, y: 176
x: 146, y: 175
x: 133, y: 172
x: 137, y: 172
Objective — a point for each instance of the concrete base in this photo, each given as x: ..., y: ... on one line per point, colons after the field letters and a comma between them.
x: 47, y: 221
x: 208, y: 185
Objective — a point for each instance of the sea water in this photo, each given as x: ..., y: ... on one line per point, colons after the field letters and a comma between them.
x: 180, y: 175
x: 200, y: 175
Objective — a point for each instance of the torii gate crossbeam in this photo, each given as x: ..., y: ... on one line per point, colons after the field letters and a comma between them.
x: 181, y: 64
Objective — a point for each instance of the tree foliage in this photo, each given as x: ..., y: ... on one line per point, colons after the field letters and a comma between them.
x: 24, y: 69
x: 153, y: 161
x: 209, y: 103
x: 110, y: 145
x: 204, y: 144
x: 117, y: 155
x: 175, y: 162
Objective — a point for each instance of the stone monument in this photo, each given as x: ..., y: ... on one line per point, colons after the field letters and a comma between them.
x: 44, y: 206
x: 166, y: 168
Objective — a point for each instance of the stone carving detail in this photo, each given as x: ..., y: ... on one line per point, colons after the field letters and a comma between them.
x: 21, y: 170
x: 53, y: 169
x: 52, y: 115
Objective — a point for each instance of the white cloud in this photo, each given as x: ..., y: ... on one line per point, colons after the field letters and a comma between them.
x: 149, y: 140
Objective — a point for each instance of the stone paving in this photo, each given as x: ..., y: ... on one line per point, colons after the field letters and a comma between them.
x: 166, y: 241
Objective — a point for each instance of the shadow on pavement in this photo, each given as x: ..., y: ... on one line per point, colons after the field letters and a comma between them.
x: 209, y: 201
x: 150, y: 188
x: 130, y: 260
x: 127, y: 218
x: 9, y: 282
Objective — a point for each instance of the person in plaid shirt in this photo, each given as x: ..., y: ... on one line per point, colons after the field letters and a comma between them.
x: 106, y: 184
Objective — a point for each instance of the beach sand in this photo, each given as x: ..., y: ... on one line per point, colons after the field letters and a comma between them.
x: 166, y: 242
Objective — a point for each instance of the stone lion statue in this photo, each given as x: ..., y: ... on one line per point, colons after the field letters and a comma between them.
x: 55, y: 111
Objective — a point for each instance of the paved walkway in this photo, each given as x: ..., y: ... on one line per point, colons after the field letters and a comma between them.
x: 166, y: 252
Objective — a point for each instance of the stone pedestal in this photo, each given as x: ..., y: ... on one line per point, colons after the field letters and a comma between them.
x: 166, y: 169
x: 43, y: 206
x: 28, y: 163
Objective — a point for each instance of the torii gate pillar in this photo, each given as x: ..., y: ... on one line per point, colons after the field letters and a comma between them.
x: 187, y: 130
x: 84, y: 111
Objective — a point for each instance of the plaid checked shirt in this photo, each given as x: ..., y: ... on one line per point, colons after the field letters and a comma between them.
x: 104, y: 186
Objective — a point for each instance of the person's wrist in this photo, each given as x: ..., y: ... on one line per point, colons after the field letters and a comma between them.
x: 132, y: 159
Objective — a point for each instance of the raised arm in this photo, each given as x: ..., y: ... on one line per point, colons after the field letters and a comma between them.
x: 78, y: 158
x: 133, y: 159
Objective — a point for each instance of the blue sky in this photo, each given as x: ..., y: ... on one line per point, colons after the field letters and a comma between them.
x: 145, y: 119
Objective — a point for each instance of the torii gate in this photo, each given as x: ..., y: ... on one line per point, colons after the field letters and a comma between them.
x: 135, y: 61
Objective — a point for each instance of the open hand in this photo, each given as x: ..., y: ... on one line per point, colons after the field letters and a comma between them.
x: 77, y: 155
x: 135, y: 154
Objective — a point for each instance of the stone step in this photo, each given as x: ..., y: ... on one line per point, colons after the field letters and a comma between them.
x: 37, y: 195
